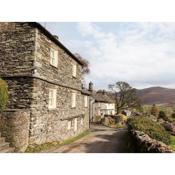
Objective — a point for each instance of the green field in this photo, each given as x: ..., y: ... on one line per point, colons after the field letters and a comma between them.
x: 167, y: 109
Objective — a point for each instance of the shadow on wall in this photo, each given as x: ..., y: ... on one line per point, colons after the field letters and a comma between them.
x: 118, y: 142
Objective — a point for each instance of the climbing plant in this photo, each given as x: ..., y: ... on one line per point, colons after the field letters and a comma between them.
x: 3, y: 95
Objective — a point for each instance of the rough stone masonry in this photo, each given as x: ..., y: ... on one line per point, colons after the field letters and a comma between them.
x: 25, y: 65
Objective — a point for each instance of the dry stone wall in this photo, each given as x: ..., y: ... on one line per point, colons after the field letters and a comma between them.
x: 146, y: 144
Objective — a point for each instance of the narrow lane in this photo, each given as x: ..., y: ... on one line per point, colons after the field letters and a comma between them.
x: 101, y: 140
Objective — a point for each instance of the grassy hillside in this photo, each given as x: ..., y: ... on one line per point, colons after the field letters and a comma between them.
x: 157, y: 95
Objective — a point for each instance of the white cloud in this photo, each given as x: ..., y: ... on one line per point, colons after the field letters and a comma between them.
x: 144, y: 56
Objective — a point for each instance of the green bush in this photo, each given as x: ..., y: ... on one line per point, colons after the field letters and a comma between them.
x: 122, y: 118
x: 3, y: 95
x: 154, y: 110
x: 153, y: 129
x: 163, y: 116
x: 173, y: 115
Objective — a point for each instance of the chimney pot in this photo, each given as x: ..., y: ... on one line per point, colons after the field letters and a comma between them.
x: 56, y: 37
x: 91, y: 86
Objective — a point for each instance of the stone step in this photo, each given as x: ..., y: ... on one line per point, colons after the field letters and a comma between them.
x: 3, y: 146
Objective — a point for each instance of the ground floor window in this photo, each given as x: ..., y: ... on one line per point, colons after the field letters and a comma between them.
x: 69, y: 125
x: 82, y: 121
x: 75, y: 124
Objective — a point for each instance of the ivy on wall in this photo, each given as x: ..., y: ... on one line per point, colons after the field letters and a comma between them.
x: 3, y: 95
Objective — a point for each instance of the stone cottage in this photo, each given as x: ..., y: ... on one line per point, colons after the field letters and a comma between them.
x: 46, y: 99
x: 101, y: 103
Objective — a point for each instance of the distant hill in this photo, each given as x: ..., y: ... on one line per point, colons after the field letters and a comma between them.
x: 157, y: 95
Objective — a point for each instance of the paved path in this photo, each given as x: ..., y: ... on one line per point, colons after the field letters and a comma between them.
x: 101, y: 140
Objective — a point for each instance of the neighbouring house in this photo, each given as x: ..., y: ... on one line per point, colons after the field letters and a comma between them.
x: 102, y: 103
x: 127, y: 112
x: 46, y: 99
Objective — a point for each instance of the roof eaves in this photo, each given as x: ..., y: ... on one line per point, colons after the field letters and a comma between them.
x: 48, y: 34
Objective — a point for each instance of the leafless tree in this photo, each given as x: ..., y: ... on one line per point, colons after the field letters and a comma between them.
x: 85, y: 62
x: 125, y: 96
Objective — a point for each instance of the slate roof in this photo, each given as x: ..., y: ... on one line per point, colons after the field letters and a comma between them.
x: 103, y: 96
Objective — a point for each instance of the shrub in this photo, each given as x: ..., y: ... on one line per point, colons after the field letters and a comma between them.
x: 153, y: 129
x: 122, y: 118
x: 173, y: 115
x: 109, y: 121
x: 163, y: 116
x: 98, y: 118
x: 154, y: 110
x: 3, y: 95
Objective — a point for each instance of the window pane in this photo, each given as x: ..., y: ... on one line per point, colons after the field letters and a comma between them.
x: 52, y: 98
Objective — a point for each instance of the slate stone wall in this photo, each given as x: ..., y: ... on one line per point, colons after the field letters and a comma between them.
x: 17, y: 45
x: 52, y: 124
x: 20, y: 92
x: 25, y: 65
x: 61, y: 74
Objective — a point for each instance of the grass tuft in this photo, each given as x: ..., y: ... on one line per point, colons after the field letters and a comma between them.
x: 172, y: 142
x: 35, y: 148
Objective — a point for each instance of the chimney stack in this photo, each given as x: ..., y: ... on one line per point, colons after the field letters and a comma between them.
x: 91, y: 86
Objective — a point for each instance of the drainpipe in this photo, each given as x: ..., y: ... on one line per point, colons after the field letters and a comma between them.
x: 91, y: 110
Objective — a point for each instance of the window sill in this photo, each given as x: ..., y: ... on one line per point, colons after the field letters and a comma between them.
x: 52, y: 109
x: 56, y: 67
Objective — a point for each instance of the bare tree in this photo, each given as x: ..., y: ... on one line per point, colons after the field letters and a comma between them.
x: 85, y: 62
x: 125, y: 96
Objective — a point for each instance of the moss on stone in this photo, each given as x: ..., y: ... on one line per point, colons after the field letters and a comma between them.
x: 172, y: 142
x: 3, y: 95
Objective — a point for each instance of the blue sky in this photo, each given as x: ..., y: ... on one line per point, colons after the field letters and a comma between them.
x: 143, y: 54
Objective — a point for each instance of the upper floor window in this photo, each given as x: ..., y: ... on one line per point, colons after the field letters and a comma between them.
x: 54, y: 57
x: 74, y: 69
x: 52, y: 98
x: 85, y: 101
x: 74, y: 99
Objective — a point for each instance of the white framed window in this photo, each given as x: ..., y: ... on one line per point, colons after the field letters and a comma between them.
x: 85, y: 101
x: 74, y: 69
x: 82, y: 121
x: 75, y: 124
x: 69, y: 124
x: 52, y: 98
x: 54, y: 57
x: 73, y: 99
